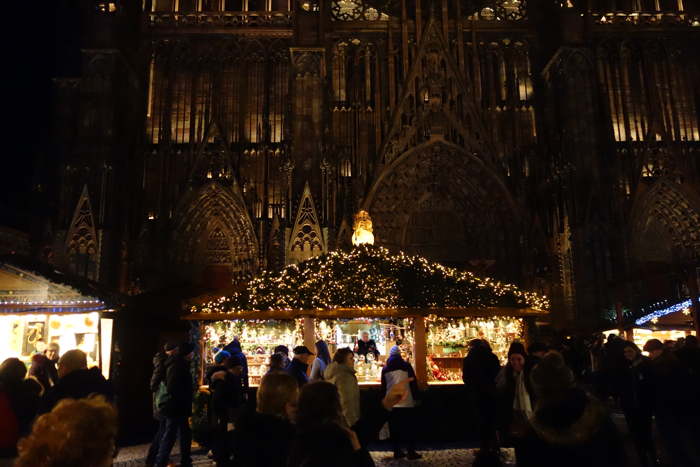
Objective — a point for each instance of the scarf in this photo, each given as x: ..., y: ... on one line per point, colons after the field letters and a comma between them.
x: 521, y: 401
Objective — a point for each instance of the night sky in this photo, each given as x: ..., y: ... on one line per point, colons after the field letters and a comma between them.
x: 43, y: 43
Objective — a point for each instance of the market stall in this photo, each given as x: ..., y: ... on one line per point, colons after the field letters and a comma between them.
x: 430, y: 311
x: 36, y: 310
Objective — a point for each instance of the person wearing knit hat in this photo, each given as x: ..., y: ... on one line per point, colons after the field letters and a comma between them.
x: 402, y: 417
x: 221, y: 357
x: 569, y: 426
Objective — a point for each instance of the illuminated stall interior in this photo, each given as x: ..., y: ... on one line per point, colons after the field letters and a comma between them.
x: 429, y: 310
x: 448, y: 339
x: 36, y: 311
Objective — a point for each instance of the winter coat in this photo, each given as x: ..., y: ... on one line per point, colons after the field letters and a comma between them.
x: 575, y: 431
x: 18, y: 408
x: 234, y: 348
x: 178, y: 381
x: 298, y: 370
x: 157, y: 377
x: 262, y: 440
x: 226, y: 393
x: 317, y: 369
x: 44, y: 370
x: 636, y: 390
x: 343, y: 377
x: 396, y: 370
x: 77, y: 384
x: 479, y: 370
x: 369, y: 347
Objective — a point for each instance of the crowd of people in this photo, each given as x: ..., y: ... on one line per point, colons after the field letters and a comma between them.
x: 551, y: 403
x: 43, y: 412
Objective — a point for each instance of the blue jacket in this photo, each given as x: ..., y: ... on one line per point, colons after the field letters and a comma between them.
x: 298, y: 370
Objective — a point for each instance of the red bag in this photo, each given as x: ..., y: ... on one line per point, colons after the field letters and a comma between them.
x: 9, y: 427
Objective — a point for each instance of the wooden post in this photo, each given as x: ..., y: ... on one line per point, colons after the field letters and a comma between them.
x: 694, y: 300
x: 309, y: 333
x: 420, y: 349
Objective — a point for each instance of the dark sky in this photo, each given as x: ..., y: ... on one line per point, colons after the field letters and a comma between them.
x: 42, y: 41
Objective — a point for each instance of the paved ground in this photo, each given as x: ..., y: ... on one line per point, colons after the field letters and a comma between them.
x: 447, y: 456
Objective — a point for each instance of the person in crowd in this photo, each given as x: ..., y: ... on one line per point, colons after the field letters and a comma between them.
x: 366, y: 346
x: 535, y: 352
x: 299, y: 366
x: 278, y: 363
x: 674, y: 405
x: 323, y: 438
x: 689, y: 355
x: 234, y: 348
x: 402, y: 419
x: 76, y: 433
x: 515, y: 403
x: 76, y: 381
x: 636, y: 403
x: 322, y: 360
x: 570, y: 428
x: 43, y: 370
x: 53, y: 354
x: 176, y: 406
x: 19, y: 400
x: 614, y: 365
x: 341, y: 373
x: 158, y: 377
x: 227, y: 399
x: 595, y: 357
x: 272, y: 421
x: 284, y: 351
x: 479, y: 370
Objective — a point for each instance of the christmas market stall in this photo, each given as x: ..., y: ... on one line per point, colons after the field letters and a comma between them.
x: 39, y: 306
x: 373, y: 296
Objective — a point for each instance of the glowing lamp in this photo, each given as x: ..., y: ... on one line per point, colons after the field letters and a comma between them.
x: 362, y: 229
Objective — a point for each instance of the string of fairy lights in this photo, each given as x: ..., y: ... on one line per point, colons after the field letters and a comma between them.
x: 370, y: 277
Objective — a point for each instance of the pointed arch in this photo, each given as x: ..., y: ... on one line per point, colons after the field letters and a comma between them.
x: 440, y: 201
x: 212, y: 229
x: 665, y: 221
x: 82, y: 242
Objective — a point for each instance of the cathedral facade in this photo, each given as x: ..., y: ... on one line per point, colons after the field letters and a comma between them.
x: 555, y: 144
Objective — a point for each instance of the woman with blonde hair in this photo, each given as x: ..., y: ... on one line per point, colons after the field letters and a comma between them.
x: 76, y: 433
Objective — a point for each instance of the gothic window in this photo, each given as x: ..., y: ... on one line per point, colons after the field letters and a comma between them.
x: 345, y: 168
x: 187, y: 6
x: 256, y: 5
x: 234, y: 5
x: 218, y: 249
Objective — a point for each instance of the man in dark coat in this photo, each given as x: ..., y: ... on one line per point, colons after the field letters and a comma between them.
x: 177, y: 407
x: 225, y: 386
x: 157, y: 377
x: 76, y: 381
x: 674, y: 405
x: 366, y: 346
x: 479, y: 370
x: 299, y: 366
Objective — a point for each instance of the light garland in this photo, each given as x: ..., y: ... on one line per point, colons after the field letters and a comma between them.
x: 655, y: 315
x: 370, y: 278
x: 51, y: 302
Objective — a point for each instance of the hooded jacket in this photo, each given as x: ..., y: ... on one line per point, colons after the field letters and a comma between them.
x: 343, y: 377
x: 298, y: 370
x: 77, y: 384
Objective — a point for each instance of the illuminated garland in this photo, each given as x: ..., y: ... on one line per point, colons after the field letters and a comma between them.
x: 664, y: 311
x: 370, y: 277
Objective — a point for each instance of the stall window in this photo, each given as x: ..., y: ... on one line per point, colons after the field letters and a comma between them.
x: 448, y: 340
x: 381, y: 335
x: 258, y: 340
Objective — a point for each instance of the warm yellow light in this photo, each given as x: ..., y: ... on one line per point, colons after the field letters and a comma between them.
x: 363, y: 229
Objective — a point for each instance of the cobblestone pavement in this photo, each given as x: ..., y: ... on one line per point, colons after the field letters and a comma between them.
x: 134, y: 456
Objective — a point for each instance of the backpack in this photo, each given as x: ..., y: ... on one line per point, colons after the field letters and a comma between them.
x: 162, y: 397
